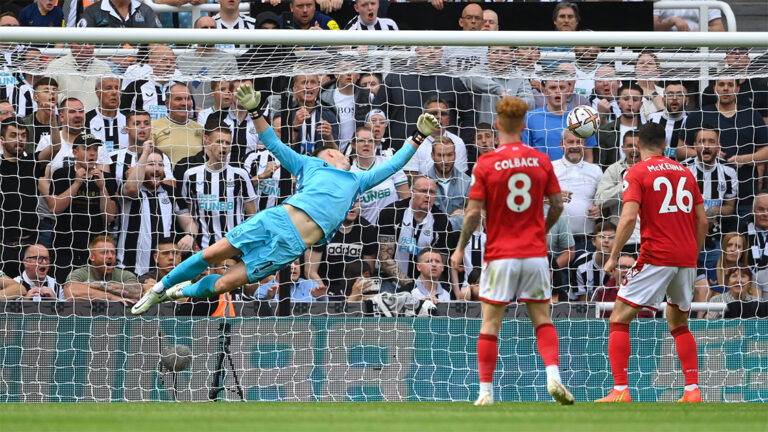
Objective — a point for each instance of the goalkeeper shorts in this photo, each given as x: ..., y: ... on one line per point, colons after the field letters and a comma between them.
x: 268, y: 240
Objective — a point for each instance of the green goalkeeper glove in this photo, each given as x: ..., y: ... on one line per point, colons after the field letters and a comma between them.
x: 426, y: 125
x: 250, y: 100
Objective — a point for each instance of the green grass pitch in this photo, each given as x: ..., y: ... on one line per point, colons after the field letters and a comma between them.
x: 382, y: 416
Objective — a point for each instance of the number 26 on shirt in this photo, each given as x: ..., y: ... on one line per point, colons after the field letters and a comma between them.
x: 683, y: 198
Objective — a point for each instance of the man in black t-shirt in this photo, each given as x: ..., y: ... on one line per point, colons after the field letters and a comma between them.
x: 18, y: 197
x: 336, y: 264
x: 83, y: 203
x: 743, y: 138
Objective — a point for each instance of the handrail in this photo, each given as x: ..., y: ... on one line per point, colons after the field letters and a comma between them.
x: 703, y: 6
x: 195, y: 9
x: 695, y: 307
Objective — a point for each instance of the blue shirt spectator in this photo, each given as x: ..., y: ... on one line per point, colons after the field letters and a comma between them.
x: 544, y: 130
x: 301, y: 291
x: 43, y: 13
x: 305, y: 16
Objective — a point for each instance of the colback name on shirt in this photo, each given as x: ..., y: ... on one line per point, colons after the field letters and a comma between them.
x: 516, y: 163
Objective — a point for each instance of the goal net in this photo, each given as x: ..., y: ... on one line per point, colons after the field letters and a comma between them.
x: 120, y: 161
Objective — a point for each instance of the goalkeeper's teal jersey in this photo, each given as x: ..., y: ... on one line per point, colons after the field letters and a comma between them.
x: 324, y: 192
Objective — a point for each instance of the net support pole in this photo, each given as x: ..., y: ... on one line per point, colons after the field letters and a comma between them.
x: 286, y: 189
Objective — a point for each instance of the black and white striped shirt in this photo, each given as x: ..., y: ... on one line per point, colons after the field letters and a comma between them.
x: 145, y: 95
x: 50, y: 282
x: 217, y: 199
x: 473, y: 254
x: 396, y: 220
x: 268, y: 190
x: 124, y: 158
x: 111, y: 130
x: 381, y: 24
x: 16, y: 90
x: 757, y: 239
x: 716, y: 184
x: 589, y: 276
x: 143, y: 221
x: 243, y: 22
x: 671, y: 126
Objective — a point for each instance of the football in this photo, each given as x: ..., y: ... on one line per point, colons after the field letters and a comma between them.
x: 583, y: 121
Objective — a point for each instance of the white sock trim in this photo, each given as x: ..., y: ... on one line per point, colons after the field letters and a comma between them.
x: 553, y: 372
x: 619, y: 388
x: 691, y: 387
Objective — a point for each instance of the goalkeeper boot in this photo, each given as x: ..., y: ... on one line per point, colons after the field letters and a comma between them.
x: 484, y: 398
x: 559, y: 392
x: 617, y: 396
x: 152, y: 296
x: 691, y: 396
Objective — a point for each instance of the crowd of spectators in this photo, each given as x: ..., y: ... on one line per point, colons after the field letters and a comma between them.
x: 114, y: 169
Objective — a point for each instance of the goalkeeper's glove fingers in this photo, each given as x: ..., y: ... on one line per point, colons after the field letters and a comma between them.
x: 250, y: 100
x: 426, y: 125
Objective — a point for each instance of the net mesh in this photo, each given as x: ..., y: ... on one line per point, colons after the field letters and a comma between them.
x: 59, y: 340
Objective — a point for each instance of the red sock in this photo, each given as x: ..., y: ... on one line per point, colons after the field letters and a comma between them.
x: 619, y: 349
x: 546, y: 337
x: 487, y: 351
x: 686, y: 350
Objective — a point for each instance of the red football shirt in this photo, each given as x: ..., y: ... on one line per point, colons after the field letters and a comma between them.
x: 513, y: 181
x: 667, y: 194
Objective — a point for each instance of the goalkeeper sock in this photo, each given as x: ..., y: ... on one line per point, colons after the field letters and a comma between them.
x: 487, y: 351
x: 619, y: 349
x: 686, y: 350
x: 205, y: 287
x: 189, y: 269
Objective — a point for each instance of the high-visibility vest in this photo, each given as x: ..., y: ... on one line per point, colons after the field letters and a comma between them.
x: 225, y: 307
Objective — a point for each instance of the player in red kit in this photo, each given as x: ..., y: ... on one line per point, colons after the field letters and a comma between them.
x: 673, y: 225
x: 511, y: 184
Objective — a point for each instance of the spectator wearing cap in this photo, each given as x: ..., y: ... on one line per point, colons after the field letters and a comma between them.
x: 81, y: 197
x: 377, y: 121
x: 367, y: 17
x: 205, y: 62
x: 267, y: 20
x: 304, y: 16
x: 350, y: 103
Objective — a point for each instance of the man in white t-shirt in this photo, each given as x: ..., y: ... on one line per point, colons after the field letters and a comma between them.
x: 685, y: 20
x: 72, y: 118
x: 578, y: 180
x: 422, y: 162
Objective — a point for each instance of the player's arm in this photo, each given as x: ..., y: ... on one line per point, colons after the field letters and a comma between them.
x: 425, y: 126
x: 472, y: 215
x: 10, y: 289
x: 556, y: 207
x: 624, y: 231
x: 702, y: 226
x: 252, y: 101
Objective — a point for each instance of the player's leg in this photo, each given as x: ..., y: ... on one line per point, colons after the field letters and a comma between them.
x: 679, y: 295
x: 619, y: 349
x: 497, y: 283
x: 487, y: 349
x: 535, y: 290
x: 547, y: 342
x: 213, y: 285
x: 187, y: 270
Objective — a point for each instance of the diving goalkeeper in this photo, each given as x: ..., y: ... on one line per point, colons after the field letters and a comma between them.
x: 273, y: 238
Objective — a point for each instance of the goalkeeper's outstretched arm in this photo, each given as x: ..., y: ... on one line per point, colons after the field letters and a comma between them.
x: 426, y: 125
x: 253, y: 103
